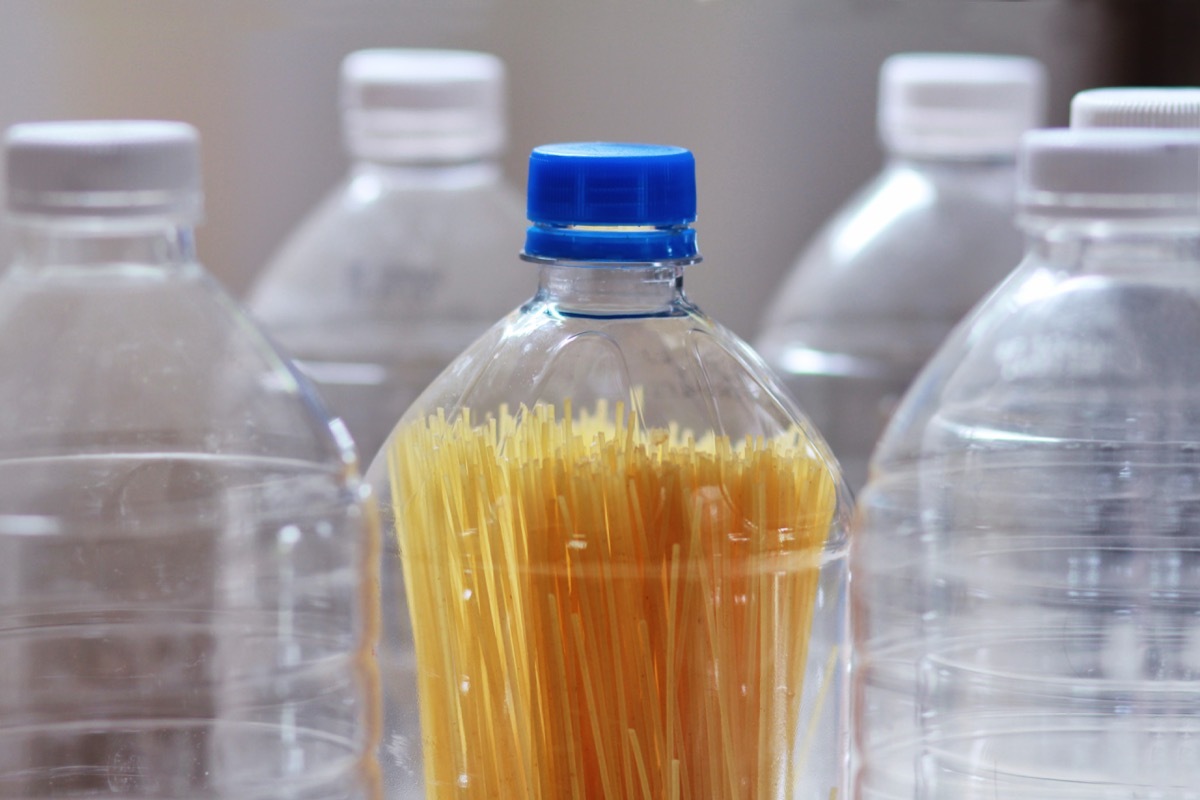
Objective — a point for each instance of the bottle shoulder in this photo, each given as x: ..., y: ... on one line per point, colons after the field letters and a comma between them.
x: 394, y: 261
x: 680, y: 374
x: 680, y: 368
x: 366, y: 196
x: 1056, y: 359
x: 106, y: 358
x: 902, y: 234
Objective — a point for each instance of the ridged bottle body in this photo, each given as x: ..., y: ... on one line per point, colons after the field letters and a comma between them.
x: 618, y: 537
x: 386, y: 282
x: 189, y: 602
x: 878, y: 290
x: 1026, y: 572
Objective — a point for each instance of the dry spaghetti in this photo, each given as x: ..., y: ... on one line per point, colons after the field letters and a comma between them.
x: 602, y: 612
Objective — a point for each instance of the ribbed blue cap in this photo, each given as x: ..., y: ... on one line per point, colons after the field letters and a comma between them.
x: 611, y: 184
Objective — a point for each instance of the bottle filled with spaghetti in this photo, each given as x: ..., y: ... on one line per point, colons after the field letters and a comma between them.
x: 621, y: 546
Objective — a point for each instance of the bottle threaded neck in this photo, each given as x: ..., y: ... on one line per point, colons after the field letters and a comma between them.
x: 611, y: 244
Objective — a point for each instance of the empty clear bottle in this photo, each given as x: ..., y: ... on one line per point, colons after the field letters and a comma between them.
x: 392, y: 275
x: 187, y: 607
x: 1027, y: 559
x: 878, y: 289
x: 622, y: 546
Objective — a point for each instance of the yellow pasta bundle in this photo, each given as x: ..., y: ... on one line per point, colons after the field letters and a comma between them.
x: 605, y: 612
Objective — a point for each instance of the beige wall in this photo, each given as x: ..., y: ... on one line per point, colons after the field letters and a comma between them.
x: 775, y: 96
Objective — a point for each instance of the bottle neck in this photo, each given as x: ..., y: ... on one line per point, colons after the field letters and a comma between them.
x: 1100, y: 246
x: 428, y: 175
x: 619, y: 290
x: 46, y: 243
x: 957, y: 165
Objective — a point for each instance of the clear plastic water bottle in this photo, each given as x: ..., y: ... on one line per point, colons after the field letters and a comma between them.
x: 622, y: 545
x: 1137, y: 107
x: 878, y: 289
x: 391, y: 276
x: 188, y: 606
x: 1027, y: 558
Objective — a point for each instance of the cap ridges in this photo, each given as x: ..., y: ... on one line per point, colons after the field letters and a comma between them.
x: 611, y: 187
x: 409, y: 105
x: 959, y: 105
x: 1110, y: 173
x: 1137, y: 107
x: 103, y: 168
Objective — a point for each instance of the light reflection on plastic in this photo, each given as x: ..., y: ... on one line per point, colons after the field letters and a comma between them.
x: 903, y: 193
x: 365, y: 192
x: 807, y: 361
x: 1038, y: 286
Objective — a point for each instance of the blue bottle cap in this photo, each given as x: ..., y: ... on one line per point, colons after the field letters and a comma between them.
x: 605, y: 185
x: 601, y: 183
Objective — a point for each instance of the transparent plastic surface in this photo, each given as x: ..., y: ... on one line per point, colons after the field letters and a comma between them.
x: 389, y: 279
x: 881, y: 286
x: 1027, y: 558
x: 624, y: 555
x: 188, y: 603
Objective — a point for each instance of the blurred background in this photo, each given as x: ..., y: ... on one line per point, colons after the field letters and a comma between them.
x: 775, y: 97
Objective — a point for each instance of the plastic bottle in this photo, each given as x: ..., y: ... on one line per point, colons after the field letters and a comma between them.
x: 187, y: 608
x: 623, y: 546
x: 878, y: 289
x: 1137, y: 107
x: 1026, y: 578
x: 390, y: 277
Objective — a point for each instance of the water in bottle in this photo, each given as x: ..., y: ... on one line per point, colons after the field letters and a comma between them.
x: 1027, y: 560
x: 188, y: 606
x: 882, y: 284
x: 394, y: 273
x: 622, y: 545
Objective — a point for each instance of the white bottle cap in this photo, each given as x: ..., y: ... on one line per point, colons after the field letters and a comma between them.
x: 1110, y: 174
x: 423, y: 105
x: 1136, y: 108
x: 104, y: 168
x: 959, y: 105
